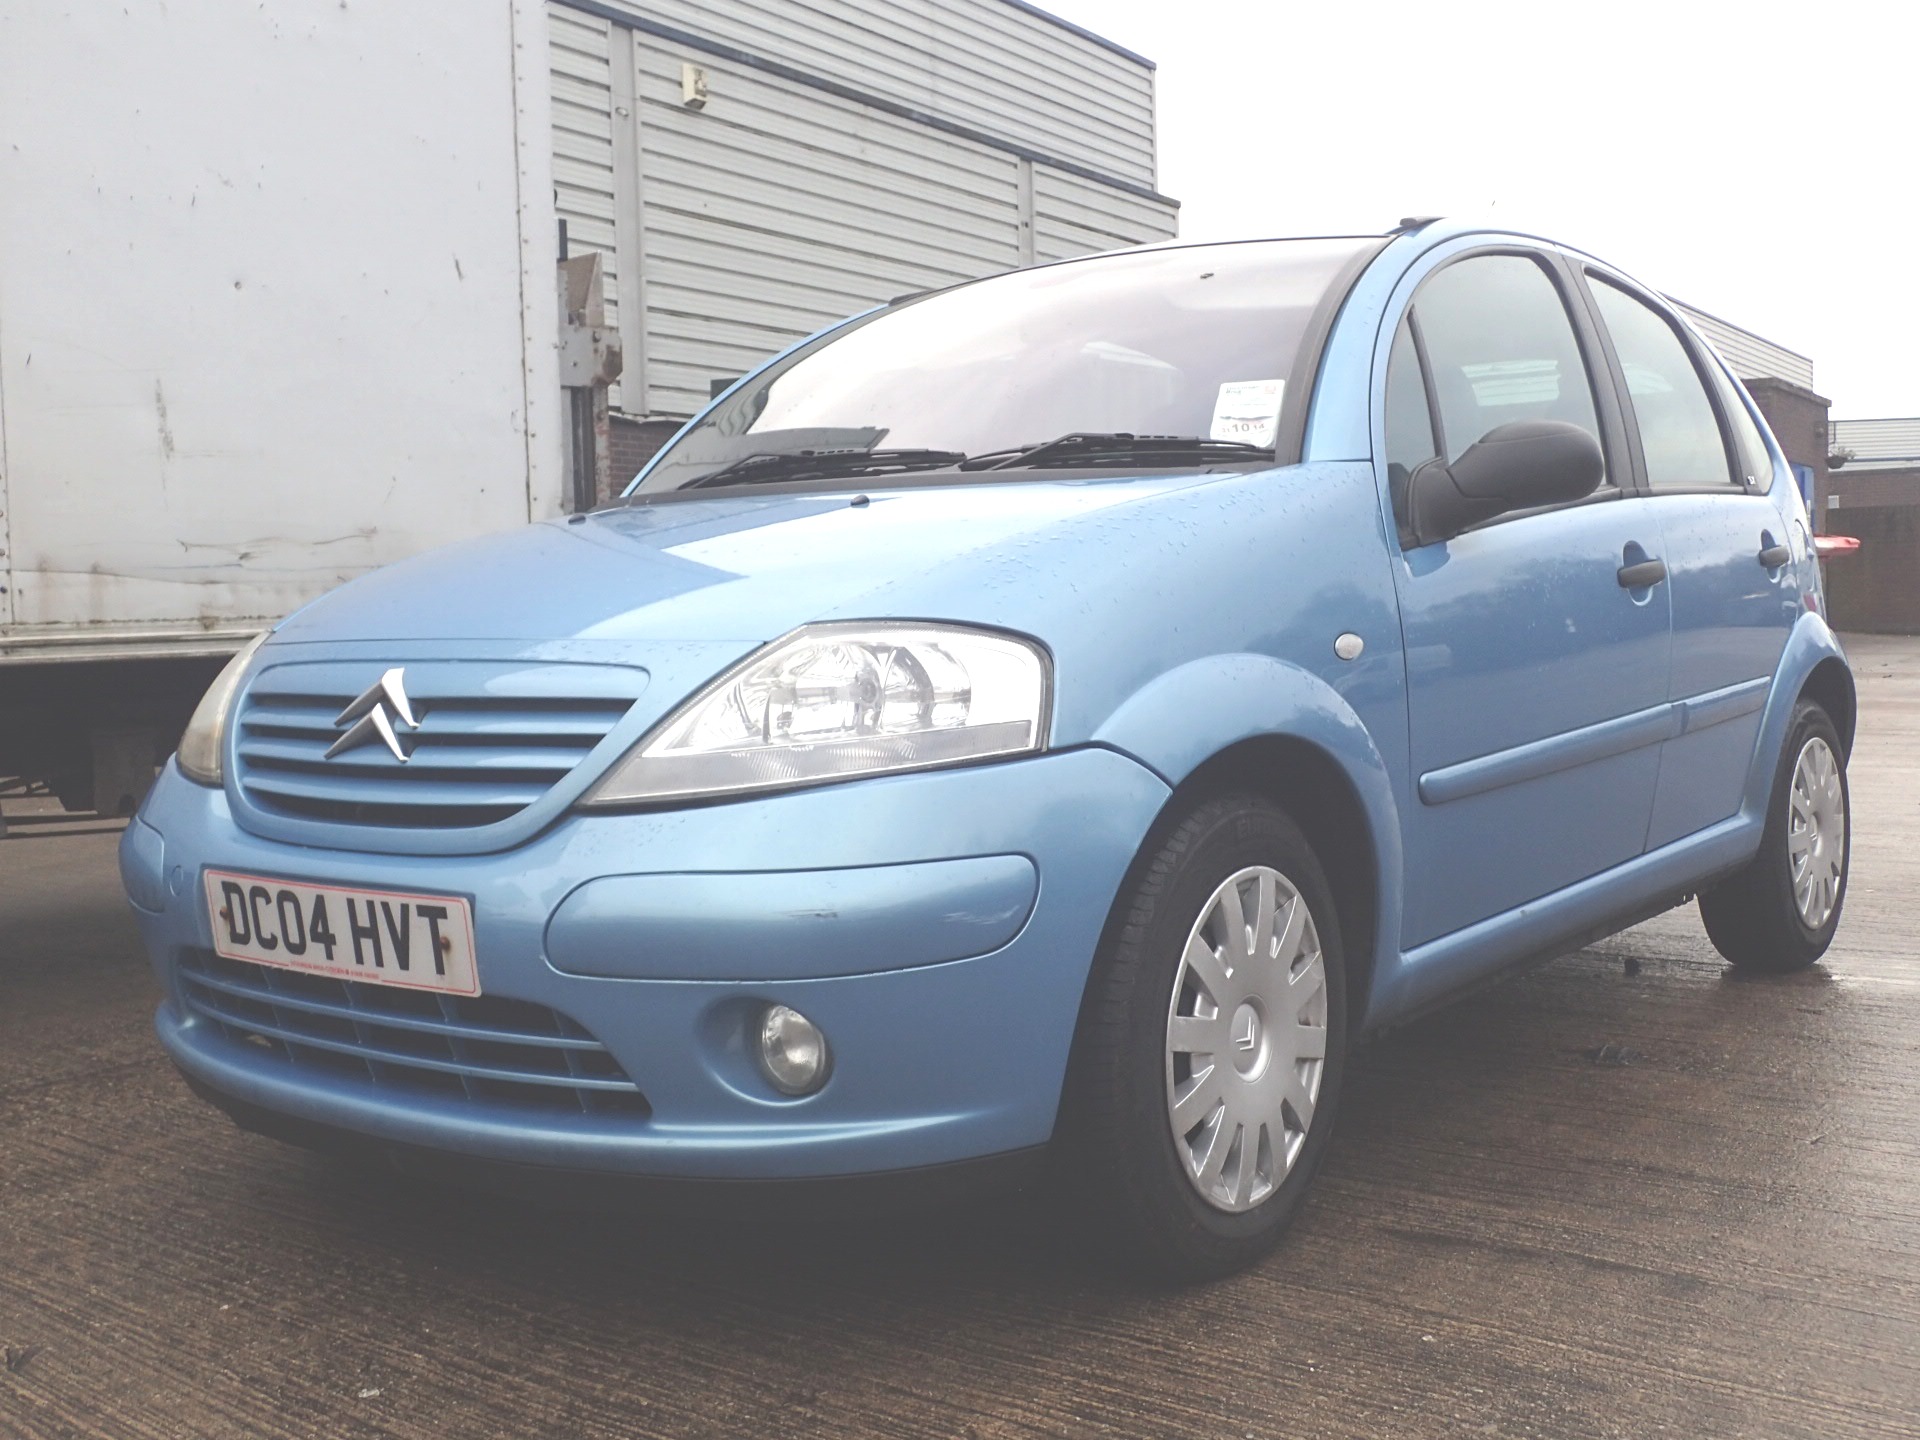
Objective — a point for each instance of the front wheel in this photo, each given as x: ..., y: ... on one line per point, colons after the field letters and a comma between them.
x: 1212, y: 1047
x: 1779, y: 913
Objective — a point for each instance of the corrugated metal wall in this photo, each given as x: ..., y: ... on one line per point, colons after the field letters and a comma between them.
x: 1748, y: 355
x: 581, y: 47
x: 782, y: 205
x: 982, y: 63
x: 1076, y: 216
x: 1894, y: 442
x: 779, y: 208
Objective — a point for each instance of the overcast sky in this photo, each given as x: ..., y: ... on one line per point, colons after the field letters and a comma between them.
x: 1760, y: 161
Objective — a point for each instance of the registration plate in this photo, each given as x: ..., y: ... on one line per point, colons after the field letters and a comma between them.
x: 381, y: 937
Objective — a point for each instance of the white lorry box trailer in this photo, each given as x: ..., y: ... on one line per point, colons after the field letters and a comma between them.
x: 278, y: 290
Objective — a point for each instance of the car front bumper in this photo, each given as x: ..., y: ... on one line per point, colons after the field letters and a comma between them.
x: 938, y: 928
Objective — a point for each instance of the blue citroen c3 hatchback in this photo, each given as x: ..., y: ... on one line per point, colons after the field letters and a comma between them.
x: 1051, y: 716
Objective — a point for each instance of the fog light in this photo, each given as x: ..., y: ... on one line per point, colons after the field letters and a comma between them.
x: 793, y: 1052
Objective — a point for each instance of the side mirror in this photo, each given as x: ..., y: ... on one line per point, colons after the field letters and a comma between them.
x: 1519, y: 466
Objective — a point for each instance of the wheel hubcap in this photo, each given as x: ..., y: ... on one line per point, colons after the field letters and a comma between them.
x: 1816, y: 832
x: 1246, y: 1038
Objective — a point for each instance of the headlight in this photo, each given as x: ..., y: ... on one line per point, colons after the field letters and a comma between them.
x: 206, y: 733
x: 831, y: 702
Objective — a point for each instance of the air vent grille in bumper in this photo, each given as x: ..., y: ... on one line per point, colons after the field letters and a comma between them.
x: 486, y: 1049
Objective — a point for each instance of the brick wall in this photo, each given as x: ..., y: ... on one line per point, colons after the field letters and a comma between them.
x: 631, y: 443
x: 1856, y: 489
x: 1877, y: 588
x: 1798, y: 419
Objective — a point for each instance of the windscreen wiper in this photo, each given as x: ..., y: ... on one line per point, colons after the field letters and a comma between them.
x: 823, y: 465
x: 1084, y: 447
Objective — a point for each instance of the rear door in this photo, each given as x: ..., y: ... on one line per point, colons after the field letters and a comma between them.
x: 1726, y: 544
x: 1536, y: 681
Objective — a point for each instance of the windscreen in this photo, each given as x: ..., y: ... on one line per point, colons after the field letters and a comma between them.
x: 1195, y: 342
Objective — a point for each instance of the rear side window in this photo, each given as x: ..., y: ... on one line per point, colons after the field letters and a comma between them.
x: 1500, y: 348
x: 1679, y: 432
x: 1755, y: 461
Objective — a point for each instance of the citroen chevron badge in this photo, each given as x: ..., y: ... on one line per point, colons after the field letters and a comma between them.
x: 373, y: 714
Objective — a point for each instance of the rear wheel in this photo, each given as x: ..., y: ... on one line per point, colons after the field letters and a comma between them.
x: 1212, y: 1048
x: 1780, y: 912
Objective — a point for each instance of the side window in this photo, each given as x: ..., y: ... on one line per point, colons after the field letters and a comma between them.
x: 1755, y: 461
x: 1500, y: 348
x: 1678, y: 430
x: 1411, y: 441
x: 1410, y: 438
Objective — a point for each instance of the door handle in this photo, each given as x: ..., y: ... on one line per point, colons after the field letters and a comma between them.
x: 1640, y: 576
x: 1774, y: 556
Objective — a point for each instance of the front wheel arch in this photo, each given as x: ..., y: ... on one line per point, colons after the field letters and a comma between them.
x: 1280, y: 731
x: 1309, y: 784
x: 1316, y: 791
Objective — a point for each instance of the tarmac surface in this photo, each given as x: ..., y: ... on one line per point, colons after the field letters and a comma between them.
x: 1624, y: 1194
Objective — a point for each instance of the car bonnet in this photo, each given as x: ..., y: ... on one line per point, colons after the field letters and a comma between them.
x: 739, y: 567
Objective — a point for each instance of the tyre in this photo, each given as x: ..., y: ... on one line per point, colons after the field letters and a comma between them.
x: 1211, y: 1048
x: 1779, y: 913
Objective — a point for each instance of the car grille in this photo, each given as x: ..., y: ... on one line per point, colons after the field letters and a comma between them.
x: 491, y: 740
x: 484, y: 1048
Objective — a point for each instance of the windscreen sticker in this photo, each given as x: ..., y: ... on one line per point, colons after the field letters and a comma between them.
x: 1247, y: 411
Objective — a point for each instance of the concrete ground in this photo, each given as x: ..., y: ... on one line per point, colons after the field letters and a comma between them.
x: 1602, y: 1199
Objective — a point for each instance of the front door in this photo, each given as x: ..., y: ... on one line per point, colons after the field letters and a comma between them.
x: 1537, y: 681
